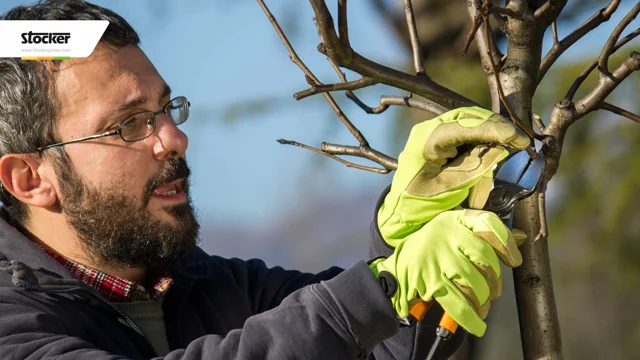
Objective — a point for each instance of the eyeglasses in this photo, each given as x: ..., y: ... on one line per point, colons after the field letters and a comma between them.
x: 140, y: 125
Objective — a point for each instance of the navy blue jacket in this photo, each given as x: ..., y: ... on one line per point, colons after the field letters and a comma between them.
x: 217, y: 309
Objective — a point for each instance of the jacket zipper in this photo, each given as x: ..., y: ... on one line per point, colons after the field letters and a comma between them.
x: 77, y: 289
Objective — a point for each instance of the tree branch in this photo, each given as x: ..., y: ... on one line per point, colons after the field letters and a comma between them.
x: 559, y: 48
x: 549, y: 11
x: 343, y: 27
x: 345, y: 56
x: 606, y: 84
x: 409, y: 101
x: 415, y: 41
x: 580, y: 79
x: 603, y: 62
x: 617, y: 110
x: 296, y: 59
x: 554, y: 30
x: 351, y: 85
x: 328, y: 154
x: 388, y: 162
x: 489, y: 53
x: 351, y: 95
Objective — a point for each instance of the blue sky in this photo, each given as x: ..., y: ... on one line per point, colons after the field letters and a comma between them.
x: 219, y: 53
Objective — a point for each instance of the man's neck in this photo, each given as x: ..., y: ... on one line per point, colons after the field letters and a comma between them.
x: 54, y: 233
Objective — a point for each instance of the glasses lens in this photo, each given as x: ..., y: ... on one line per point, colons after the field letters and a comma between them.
x: 138, y: 126
x: 178, y: 109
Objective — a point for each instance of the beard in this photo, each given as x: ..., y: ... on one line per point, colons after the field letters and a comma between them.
x: 117, y: 230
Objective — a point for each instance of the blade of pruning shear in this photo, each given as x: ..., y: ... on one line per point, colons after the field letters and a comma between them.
x: 516, y: 179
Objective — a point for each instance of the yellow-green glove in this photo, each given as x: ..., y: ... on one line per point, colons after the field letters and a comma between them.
x: 436, y: 172
x: 454, y: 260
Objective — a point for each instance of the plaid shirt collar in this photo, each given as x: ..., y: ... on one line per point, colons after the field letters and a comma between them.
x: 113, y: 288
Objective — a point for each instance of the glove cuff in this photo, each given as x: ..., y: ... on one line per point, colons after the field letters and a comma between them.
x: 387, y: 281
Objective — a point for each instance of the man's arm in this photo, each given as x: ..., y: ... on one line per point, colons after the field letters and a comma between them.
x: 327, y: 320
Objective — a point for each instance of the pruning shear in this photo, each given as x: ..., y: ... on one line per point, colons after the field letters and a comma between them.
x: 517, y: 178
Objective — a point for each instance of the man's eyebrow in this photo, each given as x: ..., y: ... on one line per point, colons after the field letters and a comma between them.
x: 166, y: 92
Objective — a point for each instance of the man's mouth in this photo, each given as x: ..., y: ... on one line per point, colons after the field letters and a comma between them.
x: 172, y: 191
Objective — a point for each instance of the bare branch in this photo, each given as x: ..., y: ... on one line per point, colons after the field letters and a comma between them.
x: 413, y: 36
x: 351, y: 85
x: 606, y: 84
x: 431, y: 107
x: 542, y: 213
x: 550, y: 10
x: 580, y: 79
x: 538, y: 122
x: 554, y: 30
x: 366, y: 152
x: 617, y: 110
x: 346, y: 57
x: 489, y: 52
x: 351, y: 95
x: 603, y: 62
x: 294, y: 57
x: 559, y: 48
x: 343, y: 27
x: 475, y: 25
x: 327, y: 154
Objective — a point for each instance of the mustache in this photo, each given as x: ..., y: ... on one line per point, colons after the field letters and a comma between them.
x: 172, y: 170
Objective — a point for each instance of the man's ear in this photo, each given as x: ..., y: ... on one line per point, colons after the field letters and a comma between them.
x: 21, y: 177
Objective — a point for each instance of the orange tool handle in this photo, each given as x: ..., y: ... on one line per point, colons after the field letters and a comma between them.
x: 420, y: 308
x: 448, y: 323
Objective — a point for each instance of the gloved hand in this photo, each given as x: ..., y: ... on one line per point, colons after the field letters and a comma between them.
x: 425, y: 184
x: 454, y: 260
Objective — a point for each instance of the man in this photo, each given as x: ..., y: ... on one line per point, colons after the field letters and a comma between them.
x: 98, y: 255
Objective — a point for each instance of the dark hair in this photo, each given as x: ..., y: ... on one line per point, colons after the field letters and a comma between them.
x: 28, y: 102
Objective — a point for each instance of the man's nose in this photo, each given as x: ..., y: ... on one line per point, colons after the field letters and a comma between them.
x: 170, y: 140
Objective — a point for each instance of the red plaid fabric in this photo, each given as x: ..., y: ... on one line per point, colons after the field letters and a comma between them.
x: 113, y: 288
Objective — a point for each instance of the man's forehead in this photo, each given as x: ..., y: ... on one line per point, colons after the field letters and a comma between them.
x: 110, y: 77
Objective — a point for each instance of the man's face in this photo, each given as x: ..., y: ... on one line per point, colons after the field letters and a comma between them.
x: 128, y: 202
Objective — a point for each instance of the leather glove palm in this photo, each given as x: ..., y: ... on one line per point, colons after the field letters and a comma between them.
x: 454, y: 260
x: 435, y: 174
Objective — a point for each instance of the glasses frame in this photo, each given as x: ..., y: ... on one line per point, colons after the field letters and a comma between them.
x: 119, y: 130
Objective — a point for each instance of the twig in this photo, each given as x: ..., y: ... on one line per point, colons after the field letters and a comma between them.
x: 603, y: 62
x: 343, y: 27
x: 351, y: 95
x: 487, y: 49
x: 580, y: 79
x: 538, y: 121
x: 325, y: 153
x: 345, y: 56
x: 606, y: 84
x: 475, y: 25
x: 560, y: 47
x: 351, y: 85
x: 366, y: 152
x: 542, y: 213
x: 415, y: 41
x: 617, y: 110
x: 296, y: 60
x: 386, y: 100
x: 554, y: 30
